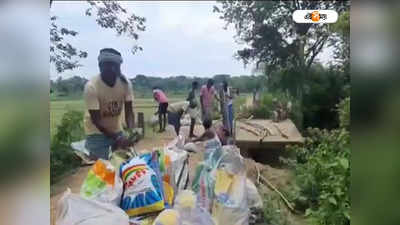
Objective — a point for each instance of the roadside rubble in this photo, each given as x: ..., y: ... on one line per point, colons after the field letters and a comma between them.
x: 170, y: 185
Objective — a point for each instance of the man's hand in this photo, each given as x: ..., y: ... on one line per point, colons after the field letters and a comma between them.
x: 123, y: 143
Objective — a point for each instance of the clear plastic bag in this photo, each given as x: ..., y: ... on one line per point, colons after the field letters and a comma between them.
x: 154, y: 120
x: 230, y: 201
x: 253, y: 197
x: 189, y: 212
x: 230, y: 204
x: 103, y: 183
x: 168, y: 217
x: 72, y: 209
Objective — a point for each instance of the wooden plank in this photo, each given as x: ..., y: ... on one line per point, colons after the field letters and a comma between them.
x: 141, y: 121
x: 282, y: 133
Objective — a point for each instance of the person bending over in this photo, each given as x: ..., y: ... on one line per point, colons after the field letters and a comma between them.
x: 175, y: 113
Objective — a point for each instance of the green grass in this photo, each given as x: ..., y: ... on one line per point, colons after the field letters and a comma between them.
x: 59, y: 107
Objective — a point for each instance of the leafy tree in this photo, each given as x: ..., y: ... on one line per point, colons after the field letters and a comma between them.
x: 73, y: 85
x: 273, y: 38
x: 341, y: 42
x: 109, y: 15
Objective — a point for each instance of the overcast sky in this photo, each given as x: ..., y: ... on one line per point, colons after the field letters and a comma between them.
x: 181, y: 38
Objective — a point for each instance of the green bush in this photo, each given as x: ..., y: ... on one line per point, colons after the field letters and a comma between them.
x: 322, y: 169
x: 62, y: 158
x: 272, y: 210
x: 266, y: 107
x: 344, y: 113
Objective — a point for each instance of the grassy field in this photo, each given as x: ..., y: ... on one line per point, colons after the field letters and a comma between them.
x: 59, y: 107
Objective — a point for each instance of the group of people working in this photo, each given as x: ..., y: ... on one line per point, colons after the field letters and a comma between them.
x: 195, y: 103
x: 108, y: 95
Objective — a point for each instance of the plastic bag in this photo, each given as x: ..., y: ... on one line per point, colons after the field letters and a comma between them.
x: 175, y: 169
x: 253, y: 197
x: 231, y: 160
x: 204, y: 180
x: 154, y: 120
x: 178, y: 142
x: 142, y: 220
x: 190, y: 147
x: 120, y: 156
x: 168, y: 217
x: 230, y: 205
x: 102, y: 183
x: 152, y: 159
x: 75, y: 210
x: 203, y: 185
x: 190, y: 213
x: 82, y: 152
x: 168, y: 194
x: 142, y: 187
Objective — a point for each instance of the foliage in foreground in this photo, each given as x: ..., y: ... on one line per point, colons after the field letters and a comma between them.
x: 272, y: 211
x: 322, y: 169
x: 62, y: 159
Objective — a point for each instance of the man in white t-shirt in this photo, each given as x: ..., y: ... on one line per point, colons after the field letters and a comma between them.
x: 107, y: 96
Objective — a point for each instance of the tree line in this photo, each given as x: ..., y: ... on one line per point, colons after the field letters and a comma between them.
x: 176, y: 85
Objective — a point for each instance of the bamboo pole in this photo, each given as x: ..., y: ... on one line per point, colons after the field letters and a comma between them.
x: 279, y: 193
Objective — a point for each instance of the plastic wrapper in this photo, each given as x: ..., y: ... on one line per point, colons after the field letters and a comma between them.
x: 152, y: 159
x: 204, y: 180
x: 82, y: 152
x: 189, y: 211
x: 175, y: 168
x: 254, y: 199
x: 168, y: 194
x: 190, y: 147
x: 142, y: 220
x: 154, y: 120
x: 102, y: 183
x: 230, y: 205
x: 72, y: 209
x: 119, y: 157
x: 178, y: 142
x: 168, y: 217
x: 231, y: 160
x: 143, y: 191
x: 203, y: 185
x: 231, y: 195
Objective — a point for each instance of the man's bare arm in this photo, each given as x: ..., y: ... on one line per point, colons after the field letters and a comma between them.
x: 201, y: 102
x: 205, y: 136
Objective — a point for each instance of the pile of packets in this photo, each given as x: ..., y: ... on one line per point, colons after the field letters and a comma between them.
x: 153, y: 189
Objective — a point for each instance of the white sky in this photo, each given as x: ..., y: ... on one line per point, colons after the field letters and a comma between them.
x: 181, y: 38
